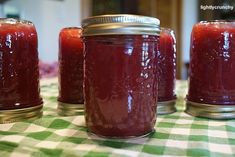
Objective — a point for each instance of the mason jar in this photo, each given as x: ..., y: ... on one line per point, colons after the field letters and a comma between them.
x: 120, y: 74
x: 166, y: 72
x: 70, y: 99
x: 19, y: 72
x: 211, y: 91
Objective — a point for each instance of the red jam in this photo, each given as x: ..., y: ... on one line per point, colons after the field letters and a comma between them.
x: 212, y: 64
x: 71, y: 66
x: 120, y: 84
x: 167, y: 66
x: 19, y: 73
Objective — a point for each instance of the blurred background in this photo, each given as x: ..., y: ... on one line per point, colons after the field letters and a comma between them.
x: 50, y: 16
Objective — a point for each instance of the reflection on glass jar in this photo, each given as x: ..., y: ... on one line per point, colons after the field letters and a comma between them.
x: 120, y: 81
x: 166, y: 72
x: 211, y: 83
x: 70, y: 100
x: 19, y: 73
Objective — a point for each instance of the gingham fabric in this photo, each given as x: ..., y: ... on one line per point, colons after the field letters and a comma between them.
x: 176, y: 134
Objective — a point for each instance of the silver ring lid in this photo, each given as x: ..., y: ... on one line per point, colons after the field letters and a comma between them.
x: 126, y: 24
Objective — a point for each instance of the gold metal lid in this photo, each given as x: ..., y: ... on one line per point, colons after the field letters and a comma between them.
x: 15, y: 115
x: 210, y: 110
x: 66, y: 109
x: 120, y: 24
x: 166, y: 107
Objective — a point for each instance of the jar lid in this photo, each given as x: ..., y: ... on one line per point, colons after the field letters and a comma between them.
x: 120, y: 24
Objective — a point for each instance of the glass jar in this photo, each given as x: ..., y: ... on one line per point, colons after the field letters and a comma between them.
x: 19, y: 72
x: 70, y: 100
x: 211, y: 91
x: 120, y: 74
x: 166, y: 72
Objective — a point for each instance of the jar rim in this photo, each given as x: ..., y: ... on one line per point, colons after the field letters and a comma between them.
x: 218, y: 22
x: 166, y: 29
x: 77, y: 31
x: 15, y: 21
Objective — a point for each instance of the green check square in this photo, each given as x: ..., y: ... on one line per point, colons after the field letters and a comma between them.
x: 113, y: 144
x: 230, y: 128
x: 197, y: 152
x: 198, y: 138
x: 160, y: 135
x: 75, y: 140
x: 59, y: 124
x: 8, y: 146
x: 231, y: 141
x: 42, y: 135
x: 44, y: 152
x: 153, y: 149
x: 7, y: 133
x: 97, y: 154
x: 166, y: 124
x: 199, y: 126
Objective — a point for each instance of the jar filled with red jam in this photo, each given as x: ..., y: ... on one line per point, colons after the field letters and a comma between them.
x: 120, y: 74
x: 211, y: 91
x: 70, y: 100
x: 166, y: 72
x: 19, y: 72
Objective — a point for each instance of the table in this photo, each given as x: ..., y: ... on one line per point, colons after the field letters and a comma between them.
x: 176, y: 134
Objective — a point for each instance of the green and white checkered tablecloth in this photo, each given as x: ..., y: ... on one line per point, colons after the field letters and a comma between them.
x: 176, y: 134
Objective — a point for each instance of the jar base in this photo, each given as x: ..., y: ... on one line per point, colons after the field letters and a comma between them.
x: 210, y: 111
x: 67, y: 109
x: 92, y: 134
x: 15, y: 115
x: 166, y: 107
